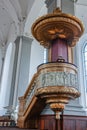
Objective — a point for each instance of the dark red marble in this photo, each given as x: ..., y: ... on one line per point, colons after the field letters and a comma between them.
x: 59, y: 48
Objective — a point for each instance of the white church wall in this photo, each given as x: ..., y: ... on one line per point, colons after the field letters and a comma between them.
x: 80, y: 12
x: 67, y: 6
x: 81, y: 75
x: 37, y: 58
x: 1, y: 56
x: 24, y: 66
x: 37, y: 9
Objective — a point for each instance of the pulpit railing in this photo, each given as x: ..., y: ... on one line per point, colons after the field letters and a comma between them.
x: 25, y: 100
x: 56, y: 81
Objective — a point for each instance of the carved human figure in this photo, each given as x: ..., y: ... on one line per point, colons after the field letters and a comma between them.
x: 59, y: 78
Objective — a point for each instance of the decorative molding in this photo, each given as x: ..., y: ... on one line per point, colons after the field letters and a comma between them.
x: 57, y: 84
x: 57, y: 79
x: 57, y: 25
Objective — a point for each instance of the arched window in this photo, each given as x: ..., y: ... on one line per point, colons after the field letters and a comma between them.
x: 85, y: 67
x: 84, y: 54
x: 81, y: 62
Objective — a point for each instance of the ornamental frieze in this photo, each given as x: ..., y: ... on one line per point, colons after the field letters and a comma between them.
x: 57, y: 79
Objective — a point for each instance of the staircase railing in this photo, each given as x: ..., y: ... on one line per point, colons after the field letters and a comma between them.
x: 25, y: 100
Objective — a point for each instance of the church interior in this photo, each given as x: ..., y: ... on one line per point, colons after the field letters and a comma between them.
x: 43, y: 65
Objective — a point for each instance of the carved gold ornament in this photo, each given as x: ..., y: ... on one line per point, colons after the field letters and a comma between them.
x: 57, y: 84
x: 57, y: 25
x: 57, y: 96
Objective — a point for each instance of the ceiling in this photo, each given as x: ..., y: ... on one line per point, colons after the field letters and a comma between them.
x: 12, y: 12
x: 16, y: 17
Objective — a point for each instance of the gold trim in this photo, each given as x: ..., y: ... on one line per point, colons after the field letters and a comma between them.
x: 57, y: 25
x: 49, y: 54
x: 70, y: 55
x: 55, y: 67
x: 57, y: 96
x: 59, y: 92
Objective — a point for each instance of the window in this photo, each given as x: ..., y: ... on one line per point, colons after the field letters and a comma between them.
x: 85, y: 68
x: 85, y: 62
x: 45, y: 55
x: 80, y: 60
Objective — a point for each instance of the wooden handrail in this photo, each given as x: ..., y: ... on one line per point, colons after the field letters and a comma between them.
x: 25, y: 100
x: 30, y: 85
x: 26, y: 103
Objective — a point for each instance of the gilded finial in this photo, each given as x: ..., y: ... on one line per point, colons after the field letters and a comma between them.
x: 57, y: 10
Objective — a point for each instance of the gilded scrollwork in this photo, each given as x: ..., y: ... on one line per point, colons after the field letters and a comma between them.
x: 48, y: 27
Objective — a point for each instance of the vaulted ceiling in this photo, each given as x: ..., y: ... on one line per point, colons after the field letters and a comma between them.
x: 16, y: 17
x: 12, y: 12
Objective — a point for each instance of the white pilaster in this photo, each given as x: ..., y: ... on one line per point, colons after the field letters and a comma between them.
x: 6, y: 78
x: 24, y: 66
x: 17, y: 73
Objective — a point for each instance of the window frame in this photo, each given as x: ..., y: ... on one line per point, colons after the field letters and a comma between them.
x: 84, y: 70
